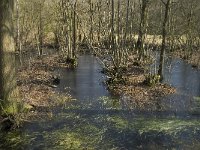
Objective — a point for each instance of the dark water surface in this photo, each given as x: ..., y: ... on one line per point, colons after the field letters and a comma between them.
x: 85, y: 81
x: 98, y: 120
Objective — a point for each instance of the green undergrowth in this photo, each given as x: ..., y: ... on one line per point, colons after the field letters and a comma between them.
x: 78, y: 127
x: 89, y: 133
x: 12, y: 113
x: 171, y: 126
x: 152, y: 80
x: 71, y: 61
x: 110, y: 103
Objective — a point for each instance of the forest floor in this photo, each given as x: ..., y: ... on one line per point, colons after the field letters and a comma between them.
x: 37, y: 82
x: 138, y: 91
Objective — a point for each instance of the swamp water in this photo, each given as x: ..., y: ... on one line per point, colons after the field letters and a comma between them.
x: 97, y: 120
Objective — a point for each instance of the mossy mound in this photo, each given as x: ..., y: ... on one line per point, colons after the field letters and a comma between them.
x: 151, y: 80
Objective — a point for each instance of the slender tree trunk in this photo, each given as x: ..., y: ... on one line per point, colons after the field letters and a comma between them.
x: 112, y: 26
x: 99, y: 21
x: 164, y: 34
x: 118, y: 39
x: 132, y: 33
x: 9, y: 93
x: 74, y: 30
x: 142, y: 28
x: 40, y: 32
x: 127, y: 19
x: 70, y: 36
x: 18, y: 43
x: 91, y: 21
x: 108, y: 20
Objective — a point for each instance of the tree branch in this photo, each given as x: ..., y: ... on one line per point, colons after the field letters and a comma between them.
x: 163, y: 2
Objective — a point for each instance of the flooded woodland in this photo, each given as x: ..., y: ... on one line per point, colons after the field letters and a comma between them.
x: 99, y: 74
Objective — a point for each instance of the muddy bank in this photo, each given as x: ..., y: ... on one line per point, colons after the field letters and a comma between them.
x: 37, y: 82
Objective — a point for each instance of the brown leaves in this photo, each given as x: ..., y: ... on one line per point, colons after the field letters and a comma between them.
x: 140, y: 95
x: 35, y: 81
x: 37, y: 95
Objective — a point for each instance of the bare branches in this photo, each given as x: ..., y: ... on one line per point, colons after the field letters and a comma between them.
x: 163, y: 2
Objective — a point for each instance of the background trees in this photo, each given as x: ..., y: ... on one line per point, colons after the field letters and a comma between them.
x: 118, y: 27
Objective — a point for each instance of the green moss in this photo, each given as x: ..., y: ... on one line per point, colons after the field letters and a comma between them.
x: 110, y: 103
x: 61, y: 99
x: 15, y: 108
x: 196, y: 106
x: 170, y: 126
x: 77, y: 138
x: 167, y: 126
x: 151, y: 80
x: 197, y: 99
x: 80, y: 132
x: 119, y: 123
x: 72, y: 61
x: 14, y: 140
x: 62, y: 139
x: 11, y: 108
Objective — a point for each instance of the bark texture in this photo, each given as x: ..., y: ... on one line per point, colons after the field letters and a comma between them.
x: 8, y: 86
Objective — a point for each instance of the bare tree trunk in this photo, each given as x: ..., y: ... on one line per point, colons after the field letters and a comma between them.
x: 112, y: 27
x: 142, y: 28
x: 69, y: 42
x: 164, y: 34
x: 115, y: 52
x: 18, y: 43
x: 118, y: 24
x: 74, y: 30
x: 9, y: 93
x: 132, y: 33
x: 99, y: 5
x: 108, y: 20
x: 91, y: 22
x: 127, y: 19
x: 40, y: 32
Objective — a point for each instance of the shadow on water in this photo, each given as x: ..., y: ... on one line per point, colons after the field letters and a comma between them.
x: 98, y: 120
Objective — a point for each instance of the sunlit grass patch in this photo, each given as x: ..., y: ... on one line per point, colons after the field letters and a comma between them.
x: 170, y: 126
x: 110, y: 103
